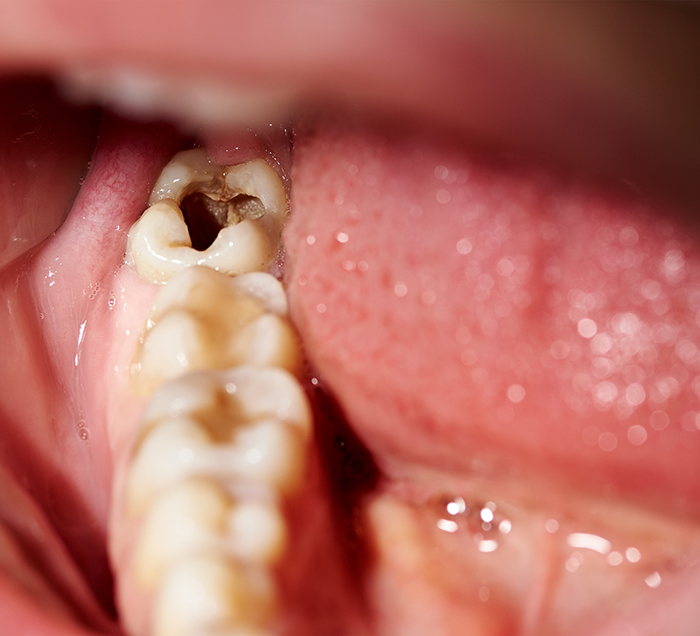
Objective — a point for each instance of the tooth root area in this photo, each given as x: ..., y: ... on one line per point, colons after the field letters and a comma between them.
x: 205, y: 320
x: 241, y: 210
x: 205, y: 594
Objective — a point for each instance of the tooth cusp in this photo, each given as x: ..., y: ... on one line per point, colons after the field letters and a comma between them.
x: 185, y: 519
x: 165, y: 456
x: 257, y: 532
x: 210, y: 594
x: 205, y: 320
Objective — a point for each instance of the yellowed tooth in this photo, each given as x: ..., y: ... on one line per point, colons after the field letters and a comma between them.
x: 257, y: 532
x: 207, y: 594
x: 198, y: 515
x: 205, y: 320
x: 242, y: 394
x: 243, y: 426
x: 187, y: 518
x: 159, y: 243
x: 265, y: 454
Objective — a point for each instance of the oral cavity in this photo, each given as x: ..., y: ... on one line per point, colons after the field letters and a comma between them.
x: 191, y: 468
x: 225, y: 436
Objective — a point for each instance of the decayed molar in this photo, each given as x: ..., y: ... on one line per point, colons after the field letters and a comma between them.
x: 247, y: 427
x: 228, y: 218
x: 205, y: 320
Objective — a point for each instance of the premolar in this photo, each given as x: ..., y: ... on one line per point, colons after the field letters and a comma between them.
x: 248, y: 202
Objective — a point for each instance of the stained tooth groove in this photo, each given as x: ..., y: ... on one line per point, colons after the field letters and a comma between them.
x: 159, y: 243
x: 224, y: 436
x: 204, y: 320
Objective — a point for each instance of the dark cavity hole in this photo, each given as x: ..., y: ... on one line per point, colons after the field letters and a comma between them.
x: 206, y: 217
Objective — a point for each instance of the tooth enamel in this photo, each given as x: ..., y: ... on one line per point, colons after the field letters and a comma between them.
x: 188, y: 171
x: 269, y: 341
x: 247, y: 393
x: 246, y: 424
x: 205, y: 320
x: 184, y: 519
x: 165, y: 457
x: 207, y: 594
x: 199, y: 515
x: 219, y: 443
x: 257, y: 532
x: 266, y: 452
x: 159, y: 243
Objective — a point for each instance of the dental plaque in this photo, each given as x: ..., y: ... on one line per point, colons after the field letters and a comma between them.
x: 225, y: 434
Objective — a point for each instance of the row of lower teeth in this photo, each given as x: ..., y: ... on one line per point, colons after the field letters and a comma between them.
x: 225, y: 435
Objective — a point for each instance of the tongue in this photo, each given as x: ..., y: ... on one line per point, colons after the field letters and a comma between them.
x: 467, y: 309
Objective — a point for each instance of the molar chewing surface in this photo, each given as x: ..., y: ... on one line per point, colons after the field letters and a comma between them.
x: 159, y: 243
x: 225, y: 434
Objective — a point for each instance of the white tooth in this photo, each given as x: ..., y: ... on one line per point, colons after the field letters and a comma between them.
x: 191, y: 101
x: 198, y: 515
x: 179, y: 345
x: 159, y: 243
x: 205, y: 320
x: 241, y: 395
x: 165, y: 456
x: 208, y: 594
x: 266, y: 452
x: 257, y: 532
x: 269, y: 341
x: 184, y: 519
x: 267, y: 289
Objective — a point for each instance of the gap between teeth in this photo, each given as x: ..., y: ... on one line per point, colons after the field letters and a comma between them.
x: 225, y: 434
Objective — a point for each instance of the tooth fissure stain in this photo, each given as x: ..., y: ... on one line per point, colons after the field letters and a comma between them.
x: 205, y: 216
x: 228, y: 218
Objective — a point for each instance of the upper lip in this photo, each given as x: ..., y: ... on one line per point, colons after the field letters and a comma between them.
x: 570, y: 84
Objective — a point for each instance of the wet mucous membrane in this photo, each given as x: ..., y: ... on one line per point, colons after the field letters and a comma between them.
x: 405, y: 388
